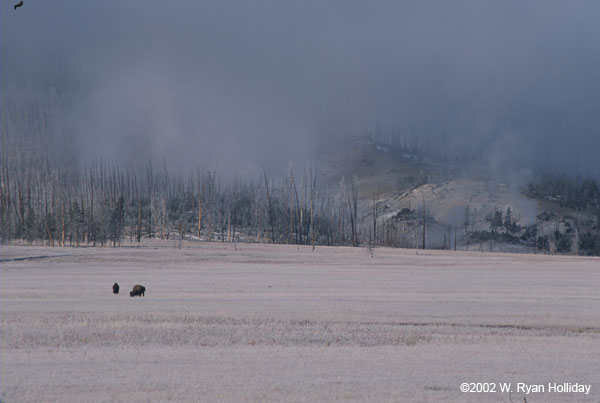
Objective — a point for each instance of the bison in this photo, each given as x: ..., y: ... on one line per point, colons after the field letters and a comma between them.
x: 115, y: 288
x: 138, y: 291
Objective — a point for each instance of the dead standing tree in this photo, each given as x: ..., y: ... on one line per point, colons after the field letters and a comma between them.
x: 298, y: 220
x: 375, y: 215
x: 313, y: 190
x: 270, y: 207
x: 353, y: 204
x: 200, y: 192
x: 424, y: 220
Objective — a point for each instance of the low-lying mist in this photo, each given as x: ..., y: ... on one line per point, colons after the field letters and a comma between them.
x: 241, y: 85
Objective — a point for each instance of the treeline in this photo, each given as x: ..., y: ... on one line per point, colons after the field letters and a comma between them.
x: 103, y: 204
x: 582, y: 230
x: 416, y: 143
x: 572, y: 191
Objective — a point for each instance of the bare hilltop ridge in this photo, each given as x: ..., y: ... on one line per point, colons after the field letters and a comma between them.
x: 465, y: 204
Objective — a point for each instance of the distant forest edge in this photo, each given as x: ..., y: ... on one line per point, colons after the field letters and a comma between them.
x: 104, y: 204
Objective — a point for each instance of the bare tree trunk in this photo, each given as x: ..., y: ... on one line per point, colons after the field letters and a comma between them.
x: 291, y: 201
x: 229, y: 226
x: 312, y: 222
x: 62, y: 224
x: 259, y: 232
x: 353, y: 205
x: 424, y: 220
x: 354, y: 212
x: 312, y: 207
x: 352, y: 223
x: 180, y: 232
x: 91, y: 231
x: 199, y: 216
x: 236, y: 204
x: 297, y: 213
x: 455, y: 237
x: 50, y: 236
x: 138, y: 226
x: 270, y: 207
x: 375, y: 214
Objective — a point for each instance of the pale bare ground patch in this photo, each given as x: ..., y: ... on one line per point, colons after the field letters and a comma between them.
x: 281, y: 323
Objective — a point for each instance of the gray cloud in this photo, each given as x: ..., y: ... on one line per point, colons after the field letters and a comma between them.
x: 243, y: 83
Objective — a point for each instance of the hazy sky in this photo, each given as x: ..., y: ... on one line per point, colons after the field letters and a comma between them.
x: 242, y: 82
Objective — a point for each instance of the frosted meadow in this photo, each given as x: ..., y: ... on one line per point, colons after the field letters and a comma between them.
x: 225, y: 322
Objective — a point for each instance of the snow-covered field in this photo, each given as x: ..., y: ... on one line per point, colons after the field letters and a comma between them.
x: 224, y: 322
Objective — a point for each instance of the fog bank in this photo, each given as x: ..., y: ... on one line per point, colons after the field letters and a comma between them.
x: 244, y: 84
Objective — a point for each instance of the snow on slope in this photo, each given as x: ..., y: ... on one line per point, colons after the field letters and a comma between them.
x: 446, y: 202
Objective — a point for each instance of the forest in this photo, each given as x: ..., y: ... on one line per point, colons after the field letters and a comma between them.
x: 106, y: 204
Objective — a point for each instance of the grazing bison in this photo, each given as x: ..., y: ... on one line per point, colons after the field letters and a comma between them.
x: 115, y: 288
x: 138, y: 291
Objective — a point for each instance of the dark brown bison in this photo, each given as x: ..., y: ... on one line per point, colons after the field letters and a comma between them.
x: 115, y: 288
x: 138, y: 291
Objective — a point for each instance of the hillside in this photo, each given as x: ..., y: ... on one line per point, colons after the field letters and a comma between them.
x: 463, y: 202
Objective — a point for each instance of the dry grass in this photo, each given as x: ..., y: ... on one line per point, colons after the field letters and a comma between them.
x: 278, y: 323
